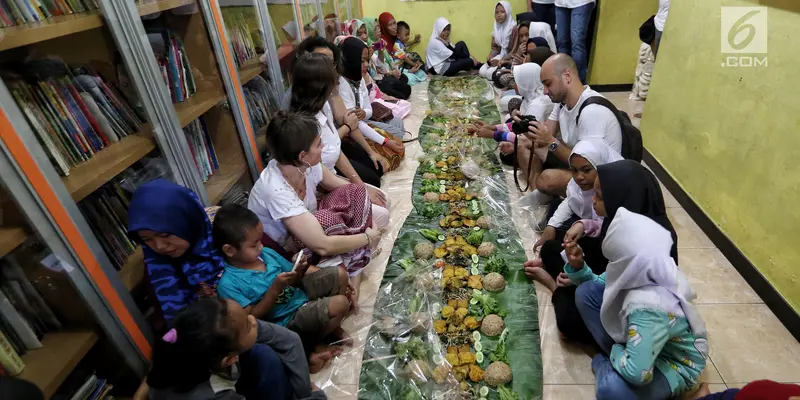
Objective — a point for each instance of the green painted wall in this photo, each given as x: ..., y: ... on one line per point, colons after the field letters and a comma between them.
x: 471, y: 19
x: 729, y: 136
x: 616, y: 44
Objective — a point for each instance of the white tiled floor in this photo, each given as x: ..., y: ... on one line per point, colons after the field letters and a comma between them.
x: 747, y: 340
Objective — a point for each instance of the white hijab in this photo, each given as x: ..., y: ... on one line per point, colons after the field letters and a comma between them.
x: 529, y: 82
x: 641, y: 274
x: 597, y: 152
x: 502, y: 32
x: 437, y: 51
x: 291, y: 28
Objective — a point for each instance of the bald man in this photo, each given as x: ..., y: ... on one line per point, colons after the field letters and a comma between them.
x: 562, y: 132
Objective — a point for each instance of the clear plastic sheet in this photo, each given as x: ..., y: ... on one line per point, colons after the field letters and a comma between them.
x: 420, y: 340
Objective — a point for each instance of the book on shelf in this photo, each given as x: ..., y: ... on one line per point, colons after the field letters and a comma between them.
x: 202, y: 148
x: 173, y: 63
x: 19, y: 12
x: 74, y: 113
x: 10, y: 361
x: 106, y: 210
x: 261, y: 104
x: 244, y: 48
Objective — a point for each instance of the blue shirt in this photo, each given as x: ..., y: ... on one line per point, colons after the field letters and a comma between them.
x: 248, y: 287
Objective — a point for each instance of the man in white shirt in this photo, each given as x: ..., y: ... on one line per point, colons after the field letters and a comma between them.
x: 563, y: 131
x: 660, y: 20
x: 572, y: 22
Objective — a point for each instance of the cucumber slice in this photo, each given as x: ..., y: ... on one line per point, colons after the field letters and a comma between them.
x: 437, y: 308
x: 438, y: 360
x: 475, y: 258
x: 473, y: 301
x: 441, y: 237
x: 476, y: 292
x: 474, y: 271
x: 475, y: 212
x: 442, y: 189
x: 442, y: 182
x: 477, y: 228
x: 478, y: 355
x: 478, y: 347
x: 476, y: 336
x: 444, y: 169
x: 483, y: 391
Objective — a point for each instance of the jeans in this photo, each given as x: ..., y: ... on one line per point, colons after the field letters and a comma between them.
x: 657, y: 43
x: 608, y: 383
x: 263, y: 375
x: 546, y: 13
x: 573, y: 24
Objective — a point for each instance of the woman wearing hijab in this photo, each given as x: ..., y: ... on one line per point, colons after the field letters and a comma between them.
x: 639, y: 311
x: 396, y: 49
x: 173, y: 228
x: 586, y: 157
x: 444, y: 58
x: 542, y: 30
x: 504, y: 31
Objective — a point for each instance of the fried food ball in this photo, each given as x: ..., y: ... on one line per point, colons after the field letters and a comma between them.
x: 429, y: 176
x: 486, y: 249
x: 492, y: 325
x: 498, y: 373
x: 483, y: 222
x: 423, y: 250
x: 431, y: 197
x: 494, y: 282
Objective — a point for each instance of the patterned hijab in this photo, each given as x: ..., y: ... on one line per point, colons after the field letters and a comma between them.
x: 384, y: 20
x: 164, y: 207
x: 370, y: 22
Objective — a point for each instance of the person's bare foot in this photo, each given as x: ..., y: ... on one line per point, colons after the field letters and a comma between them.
x: 701, y: 392
x: 318, y: 360
x: 534, y: 269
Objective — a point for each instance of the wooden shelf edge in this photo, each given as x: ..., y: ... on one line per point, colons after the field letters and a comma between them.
x: 49, y: 366
x: 154, y: 7
x: 250, y: 69
x: 51, y: 28
x: 132, y: 273
x: 222, y: 180
x: 197, y: 105
x: 10, y: 239
x: 89, y: 175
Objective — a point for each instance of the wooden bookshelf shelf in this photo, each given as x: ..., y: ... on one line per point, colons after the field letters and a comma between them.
x: 197, y: 105
x: 231, y: 169
x: 132, y: 272
x: 261, y: 139
x: 49, y: 366
x: 108, y: 163
x: 63, y: 25
x: 249, y: 70
x: 10, y: 239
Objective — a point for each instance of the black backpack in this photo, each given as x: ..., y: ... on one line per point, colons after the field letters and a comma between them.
x: 632, y: 147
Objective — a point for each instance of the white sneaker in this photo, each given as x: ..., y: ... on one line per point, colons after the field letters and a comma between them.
x: 535, y: 199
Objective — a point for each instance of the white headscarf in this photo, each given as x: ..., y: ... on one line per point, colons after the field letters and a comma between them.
x: 642, y: 274
x: 437, y: 51
x: 502, y: 32
x: 291, y: 28
x: 528, y: 79
x: 597, y: 152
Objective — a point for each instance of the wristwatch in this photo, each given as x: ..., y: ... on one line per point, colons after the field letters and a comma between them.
x: 553, y: 146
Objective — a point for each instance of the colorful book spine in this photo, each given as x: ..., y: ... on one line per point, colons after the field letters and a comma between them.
x: 9, y: 359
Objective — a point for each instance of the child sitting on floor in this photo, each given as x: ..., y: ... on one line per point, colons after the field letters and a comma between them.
x: 308, y: 300
x: 410, y: 63
x: 200, y: 358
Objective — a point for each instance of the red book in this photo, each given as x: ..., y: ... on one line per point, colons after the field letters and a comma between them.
x: 88, y: 115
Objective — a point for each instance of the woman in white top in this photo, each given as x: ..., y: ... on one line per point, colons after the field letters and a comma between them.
x: 284, y: 198
x: 443, y: 57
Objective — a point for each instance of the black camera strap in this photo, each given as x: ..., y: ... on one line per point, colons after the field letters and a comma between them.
x: 516, y: 168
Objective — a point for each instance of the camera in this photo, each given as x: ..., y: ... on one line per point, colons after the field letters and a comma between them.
x: 521, y: 127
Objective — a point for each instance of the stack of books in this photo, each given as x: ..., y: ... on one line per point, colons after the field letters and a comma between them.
x: 106, y: 210
x: 19, y: 12
x: 24, y: 317
x: 260, y: 102
x: 205, y: 158
x: 175, y: 68
x: 75, y: 113
x: 83, y: 384
x: 242, y: 42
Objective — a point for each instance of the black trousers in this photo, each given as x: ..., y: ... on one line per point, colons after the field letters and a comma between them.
x: 459, y: 61
x: 395, y: 87
x: 363, y: 165
x: 568, y: 319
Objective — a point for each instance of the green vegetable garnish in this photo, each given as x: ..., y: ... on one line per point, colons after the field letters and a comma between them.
x: 496, y: 264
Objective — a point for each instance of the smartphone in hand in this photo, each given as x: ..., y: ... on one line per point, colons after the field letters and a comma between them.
x: 297, y: 258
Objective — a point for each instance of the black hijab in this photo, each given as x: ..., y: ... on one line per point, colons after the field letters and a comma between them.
x: 540, y: 54
x: 352, y: 50
x: 628, y: 184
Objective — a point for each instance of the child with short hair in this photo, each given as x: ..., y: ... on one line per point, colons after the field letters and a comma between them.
x: 410, y: 63
x: 200, y: 356
x: 308, y: 300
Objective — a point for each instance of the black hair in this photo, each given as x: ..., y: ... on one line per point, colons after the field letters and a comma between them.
x: 313, y: 82
x: 403, y: 25
x: 203, y: 339
x: 312, y: 43
x: 231, y: 224
x: 290, y: 133
x: 526, y: 24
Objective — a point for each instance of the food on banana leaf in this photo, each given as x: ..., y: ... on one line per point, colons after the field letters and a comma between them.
x: 483, y: 222
x: 444, y: 197
x: 430, y: 210
x: 419, y: 321
x: 447, y: 312
x: 430, y: 234
x: 429, y: 176
x: 440, y: 326
x: 418, y: 370
x: 461, y: 372
x: 423, y: 282
x: 429, y: 186
x: 475, y: 373
x: 431, y: 197
x: 496, y: 264
x: 486, y: 249
x: 493, y: 282
x: 475, y: 282
x: 466, y: 358
x: 440, y: 373
x: 492, y: 325
x: 423, y: 250
x: 506, y: 393
x: 498, y: 373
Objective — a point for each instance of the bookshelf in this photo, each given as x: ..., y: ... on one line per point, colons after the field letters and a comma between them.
x: 49, y: 366
x: 132, y: 272
x: 10, y: 239
x: 249, y: 70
